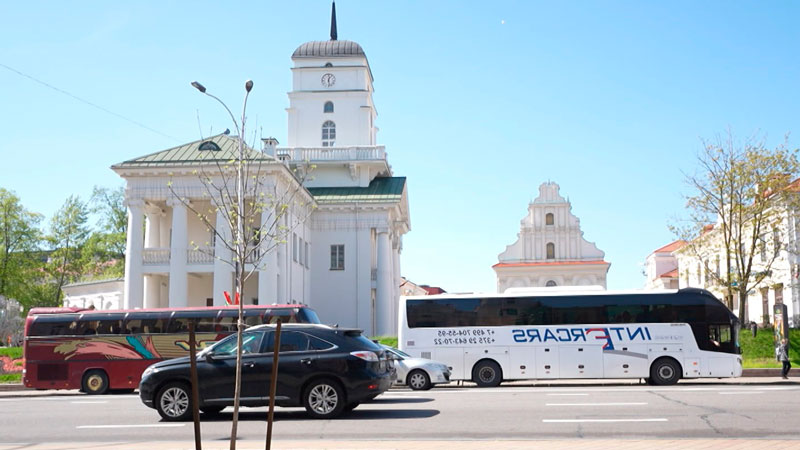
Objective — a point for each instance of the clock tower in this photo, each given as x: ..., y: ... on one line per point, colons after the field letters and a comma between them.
x: 330, y: 104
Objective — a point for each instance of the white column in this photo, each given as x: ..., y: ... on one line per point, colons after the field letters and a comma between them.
x: 152, y: 239
x: 383, y: 307
x: 395, y: 285
x: 177, y: 255
x: 268, y: 270
x: 223, y: 271
x: 134, y: 284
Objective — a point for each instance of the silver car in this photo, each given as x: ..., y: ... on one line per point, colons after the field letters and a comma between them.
x: 418, y: 373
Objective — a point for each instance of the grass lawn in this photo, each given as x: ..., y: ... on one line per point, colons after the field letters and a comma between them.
x: 10, y: 377
x: 759, y: 352
x: 13, y: 352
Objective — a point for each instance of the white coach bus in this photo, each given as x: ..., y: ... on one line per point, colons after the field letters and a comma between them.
x: 488, y: 338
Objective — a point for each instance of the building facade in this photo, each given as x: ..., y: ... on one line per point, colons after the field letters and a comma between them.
x: 342, y: 256
x: 550, y: 249
x: 702, y: 263
x: 661, y: 267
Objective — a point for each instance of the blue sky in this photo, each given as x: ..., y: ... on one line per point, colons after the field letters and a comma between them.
x: 478, y: 102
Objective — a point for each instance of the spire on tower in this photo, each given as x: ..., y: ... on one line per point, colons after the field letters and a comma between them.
x: 333, y: 21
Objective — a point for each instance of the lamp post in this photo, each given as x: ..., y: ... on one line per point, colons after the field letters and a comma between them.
x: 239, y: 241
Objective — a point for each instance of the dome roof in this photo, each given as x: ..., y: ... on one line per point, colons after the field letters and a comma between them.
x: 324, y: 49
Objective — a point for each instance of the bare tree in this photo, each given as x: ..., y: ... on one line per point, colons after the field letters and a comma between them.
x: 742, y: 196
x: 259, y: 200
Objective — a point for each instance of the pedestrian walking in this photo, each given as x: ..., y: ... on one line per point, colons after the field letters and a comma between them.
x: 783, y: 356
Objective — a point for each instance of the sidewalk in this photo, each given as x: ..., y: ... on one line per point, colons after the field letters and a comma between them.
x: 18, y: 390
x: 566, y: 444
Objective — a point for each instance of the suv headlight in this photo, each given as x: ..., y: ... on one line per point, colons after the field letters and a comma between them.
x: 147, y: 372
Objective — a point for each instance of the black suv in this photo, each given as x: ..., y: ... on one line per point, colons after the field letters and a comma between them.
x: 327, y: 370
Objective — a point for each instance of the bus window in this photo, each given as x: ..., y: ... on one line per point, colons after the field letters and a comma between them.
x: 225, y: 324
x: 205, y: 324
x: 178, y: 325
x: 286, y: 316
x: 48, y: 326
x: 145, y: 325
x: 253, y: 317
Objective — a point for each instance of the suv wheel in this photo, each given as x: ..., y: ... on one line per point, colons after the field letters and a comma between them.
x: 173, y: 402
x: 324, y: 399
x: 418, y: 380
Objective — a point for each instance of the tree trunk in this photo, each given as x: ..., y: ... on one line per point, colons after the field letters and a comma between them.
x: 743, y: 315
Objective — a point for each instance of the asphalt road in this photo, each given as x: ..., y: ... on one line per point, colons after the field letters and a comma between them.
x: 754, y: 411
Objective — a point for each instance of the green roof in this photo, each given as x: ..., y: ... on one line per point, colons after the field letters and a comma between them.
x: 221, y: 147
x: 380, y: 190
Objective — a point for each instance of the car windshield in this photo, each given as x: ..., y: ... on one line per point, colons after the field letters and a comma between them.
x: 397, y: 352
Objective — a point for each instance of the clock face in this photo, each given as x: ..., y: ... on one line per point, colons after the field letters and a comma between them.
x: 328, y: 80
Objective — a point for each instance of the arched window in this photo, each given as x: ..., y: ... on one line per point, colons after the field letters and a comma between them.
x: 551, y: 250
x: 548, y: 219
x: 328, y: 108
x: 328, y: 133
x: 550, y: 283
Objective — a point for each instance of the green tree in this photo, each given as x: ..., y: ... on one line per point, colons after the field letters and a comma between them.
x: 68, y: 234
x: 104, y: 250
x: 741, y: 196
x: 19, y: 241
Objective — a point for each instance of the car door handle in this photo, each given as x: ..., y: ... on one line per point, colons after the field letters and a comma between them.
x: 306, y: 361
x: 250, y: 364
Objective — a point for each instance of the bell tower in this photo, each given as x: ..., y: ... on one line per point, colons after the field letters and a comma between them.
x: 330, y: 104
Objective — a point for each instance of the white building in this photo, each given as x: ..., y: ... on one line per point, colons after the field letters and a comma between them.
x: 661, y: 267
x: 343, y: 261
x: 550, y: 249
x: 100, y: 294
x: 703, y: 261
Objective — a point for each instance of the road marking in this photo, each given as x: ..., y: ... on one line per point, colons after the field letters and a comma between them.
x: 158, y: 425
x: 596, y: 404
x: 601, y: 420
x: 567, y: 394
x: 740, y: 393
x: 89, y: 402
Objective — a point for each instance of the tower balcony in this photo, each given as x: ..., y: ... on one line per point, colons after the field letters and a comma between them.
x: 332, y: 154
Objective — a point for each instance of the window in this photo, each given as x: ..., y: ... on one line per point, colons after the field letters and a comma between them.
x: 328, y: 108
x: 716, y: 267
x: 776, y: 241
x: 306, y: 254
x: 337, y: 257
x: 548, y: 219
x: 294, y: 247
x: 300, y: 250
x: 550, y: 283
x: 328, y: 133
x: 551, y: 250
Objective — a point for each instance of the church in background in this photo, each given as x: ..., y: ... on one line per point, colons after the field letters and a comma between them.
x: 343, y: 260
x: 550, y: 250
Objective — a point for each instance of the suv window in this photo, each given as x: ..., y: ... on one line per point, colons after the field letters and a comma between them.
x: 251, y: 342
x: 319, y: 344
x: 291, y: 341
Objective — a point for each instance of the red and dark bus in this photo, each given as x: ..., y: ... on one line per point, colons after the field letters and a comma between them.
x: 97, y: 351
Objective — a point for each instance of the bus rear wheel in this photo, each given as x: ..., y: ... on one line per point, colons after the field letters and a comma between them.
x: 487, y: 374
x: 665, y: 371
x: 95, y: 382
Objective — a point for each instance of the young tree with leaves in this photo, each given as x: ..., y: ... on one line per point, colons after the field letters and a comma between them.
x: 255, y: 203
x: 738, y: 208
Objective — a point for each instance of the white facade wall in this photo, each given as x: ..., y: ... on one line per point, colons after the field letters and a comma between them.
x: 782, y: 283
x: 574, y: 262
x: 102, y: 295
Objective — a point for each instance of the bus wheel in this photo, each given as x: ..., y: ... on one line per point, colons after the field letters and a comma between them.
x: 173, y: 402
x: 665, y: 371
x: 418, y: 380
x: 487, y: 374
x: 95, y: 382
